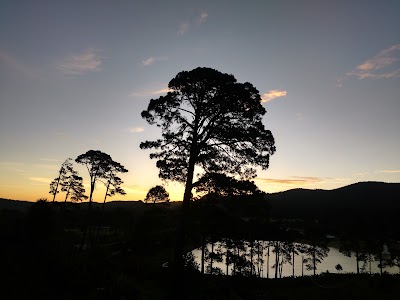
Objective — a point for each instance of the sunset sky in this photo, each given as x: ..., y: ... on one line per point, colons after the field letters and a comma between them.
x: 75, y: 76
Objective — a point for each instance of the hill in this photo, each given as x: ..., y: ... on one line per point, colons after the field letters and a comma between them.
x: 372, y: 200
x: 8, y: 204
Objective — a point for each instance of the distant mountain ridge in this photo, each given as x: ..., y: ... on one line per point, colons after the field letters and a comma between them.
x: 375, y: 199
x: 130, y: 205
x: 371, y: 199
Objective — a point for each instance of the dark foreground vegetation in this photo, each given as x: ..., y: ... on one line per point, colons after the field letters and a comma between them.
x: 128, y: 244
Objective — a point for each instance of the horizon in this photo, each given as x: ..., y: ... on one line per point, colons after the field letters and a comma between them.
x: 142, y: 200
x: 75, y: 78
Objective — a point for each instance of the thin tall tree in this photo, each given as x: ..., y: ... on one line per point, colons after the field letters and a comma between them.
x: 98, y: 165
x: 65, y: 168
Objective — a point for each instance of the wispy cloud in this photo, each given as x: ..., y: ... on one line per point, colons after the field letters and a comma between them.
x: 18, y: 66
x: 185, y: 26
x: 389, y: 171
x: 47, y: 167
x: 136, y: 129
x: 50, y: 159
x: 79, y: 64
x: 342, y: 179
x: 383, y: 65
x: 149, y: 61
x: 153, y: 92
x: 361, y: 174
x: 12, y: 186
x: 202, y: 17
x: 272, y: 94
x: 293, y: 180
x: 40, y: 179
x: 152, y: 60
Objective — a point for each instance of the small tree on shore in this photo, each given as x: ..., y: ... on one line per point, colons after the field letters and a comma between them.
x: 157, y: 194
x: 339, y: 267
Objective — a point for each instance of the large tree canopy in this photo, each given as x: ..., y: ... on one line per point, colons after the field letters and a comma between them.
x: 209, y: 120
x: 212, y: 120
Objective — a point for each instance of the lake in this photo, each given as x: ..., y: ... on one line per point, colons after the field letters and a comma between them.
x: 328, y: 264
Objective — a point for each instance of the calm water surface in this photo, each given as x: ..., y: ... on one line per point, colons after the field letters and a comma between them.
x: 328, y: 264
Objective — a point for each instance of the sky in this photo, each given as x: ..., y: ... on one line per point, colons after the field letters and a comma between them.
x: 75, y: 76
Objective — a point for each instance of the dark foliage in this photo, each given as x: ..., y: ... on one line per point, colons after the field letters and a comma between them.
x: 209, y: 119
x: 157, y: 194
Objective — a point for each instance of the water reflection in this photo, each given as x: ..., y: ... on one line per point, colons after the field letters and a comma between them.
x: 266, y: 268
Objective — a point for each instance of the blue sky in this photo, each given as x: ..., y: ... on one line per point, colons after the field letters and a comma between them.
x: 75, y: 75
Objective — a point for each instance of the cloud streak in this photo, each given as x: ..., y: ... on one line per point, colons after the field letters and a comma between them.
x: 40, y: 179
x: 272, y: 94
x: 383, y: 65
x: 183, y: 28
x: 136, y: 129
x: 389, y: 171
x: 153, y: 92
x: 202, y: 17
x: 50, y: 159
x: 294, y: 180
x: 152, y: 60
x: 47, y: 167
x: 82, y: 63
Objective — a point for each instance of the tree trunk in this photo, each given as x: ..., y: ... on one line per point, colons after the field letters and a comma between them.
x: 176, y: 290
x: 259, y: 265
x: 92, y: 186
x: 234, y: 259
x: 227, y: 257
x: 203, y: 245
x: 211, y: 256
x: 66, y: 196
x: 251, y: 257
x: 262, y: 259
x: 87, y: 221
x: 268, y: 260
x: 314, y: 262
x: 181, y: 228
x: 58, y: 181
x: 105, y: 197
x: 358, y: 261
x: 370, y: 272
x: 276, y: 259
x: 293, y: 260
